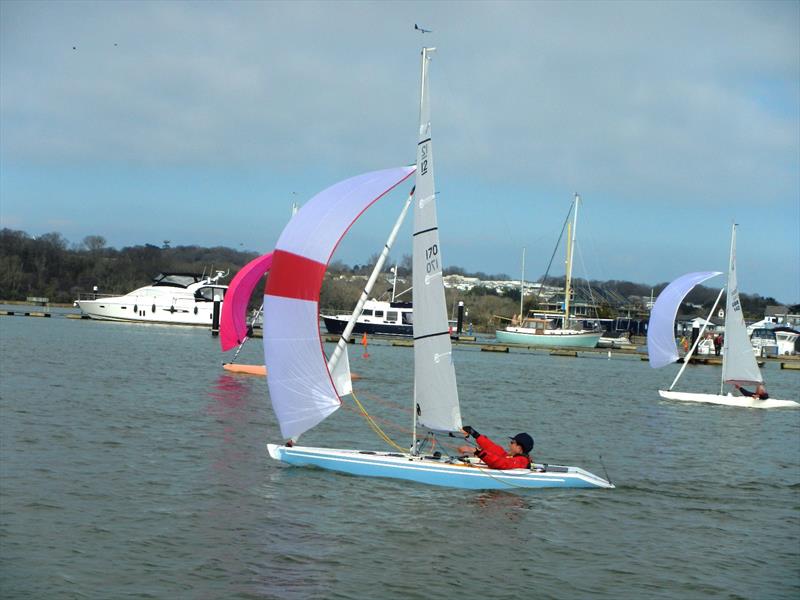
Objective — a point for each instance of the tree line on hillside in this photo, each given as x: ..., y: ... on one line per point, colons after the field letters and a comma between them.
x: 50, y: 266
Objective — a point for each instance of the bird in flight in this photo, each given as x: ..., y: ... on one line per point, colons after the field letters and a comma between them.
x: 421, y: 30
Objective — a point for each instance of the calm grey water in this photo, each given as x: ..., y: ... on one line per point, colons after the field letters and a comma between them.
x: 132, y: 466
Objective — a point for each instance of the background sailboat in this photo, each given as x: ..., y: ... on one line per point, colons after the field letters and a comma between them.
x: 533, y: 331
x: 305, y: 388
x: 233, y: 328
x: 738, y: 360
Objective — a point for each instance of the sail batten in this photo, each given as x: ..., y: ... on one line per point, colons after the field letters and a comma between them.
x: 302, y: 390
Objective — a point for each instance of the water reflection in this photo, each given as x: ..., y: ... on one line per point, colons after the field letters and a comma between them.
x: 232, y: 407
x: 229, y: 394
x: 501, y: 504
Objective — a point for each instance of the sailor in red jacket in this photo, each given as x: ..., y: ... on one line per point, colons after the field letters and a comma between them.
x: 495, y: 456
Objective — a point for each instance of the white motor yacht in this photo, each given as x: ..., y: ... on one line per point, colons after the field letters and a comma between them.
x: 172, y: 298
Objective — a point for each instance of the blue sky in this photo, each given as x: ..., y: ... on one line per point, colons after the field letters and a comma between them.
x: 200, y: 123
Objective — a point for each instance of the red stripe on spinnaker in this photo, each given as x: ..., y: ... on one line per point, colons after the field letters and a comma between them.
x: 294, y: 276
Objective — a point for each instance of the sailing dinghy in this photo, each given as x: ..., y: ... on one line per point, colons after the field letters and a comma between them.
x: 233, y: 329
x: 739, y: 364
x: 305, y: 388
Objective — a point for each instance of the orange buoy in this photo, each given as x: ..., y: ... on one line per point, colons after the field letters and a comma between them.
x: 364, y: 343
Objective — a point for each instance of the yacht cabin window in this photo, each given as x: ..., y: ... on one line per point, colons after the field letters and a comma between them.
x: 205, y: 294
x: 391, y: 316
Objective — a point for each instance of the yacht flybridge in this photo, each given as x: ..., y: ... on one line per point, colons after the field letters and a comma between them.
x: 172, y: 298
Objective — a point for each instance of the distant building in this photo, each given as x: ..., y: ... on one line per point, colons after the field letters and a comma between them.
x: 460, y: 282
x: 684, y: 325
x: 780, y: 315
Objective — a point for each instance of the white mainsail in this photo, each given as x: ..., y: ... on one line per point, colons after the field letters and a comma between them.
x: 738, y: 361
x: 435, y: 392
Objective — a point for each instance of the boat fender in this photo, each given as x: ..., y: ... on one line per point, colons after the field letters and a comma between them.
x: 136, y: 308
x: 195, y: 310
x: 153, y: 308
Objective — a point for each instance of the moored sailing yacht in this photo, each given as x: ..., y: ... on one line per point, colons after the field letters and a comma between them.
x: 538, y: 331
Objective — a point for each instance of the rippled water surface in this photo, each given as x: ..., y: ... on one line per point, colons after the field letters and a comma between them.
x: 133, y: 466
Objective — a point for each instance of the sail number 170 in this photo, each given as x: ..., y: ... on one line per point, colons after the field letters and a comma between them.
x: 432, y: 259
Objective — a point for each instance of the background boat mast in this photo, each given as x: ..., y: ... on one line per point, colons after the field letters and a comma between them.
x: 522, y: 287
x: 570, y: 250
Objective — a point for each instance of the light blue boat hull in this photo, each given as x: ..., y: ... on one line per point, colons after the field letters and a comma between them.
x: 433, y: 471
x: 571, y: 340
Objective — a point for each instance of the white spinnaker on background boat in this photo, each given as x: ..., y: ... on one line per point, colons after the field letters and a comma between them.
x: 739, y: 365
x: 435, y: 393
x: 661, y: 347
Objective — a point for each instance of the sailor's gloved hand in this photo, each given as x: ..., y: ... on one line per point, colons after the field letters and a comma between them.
x: 470, y: 431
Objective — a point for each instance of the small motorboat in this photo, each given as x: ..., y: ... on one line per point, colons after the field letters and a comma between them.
x: 616, y: 339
